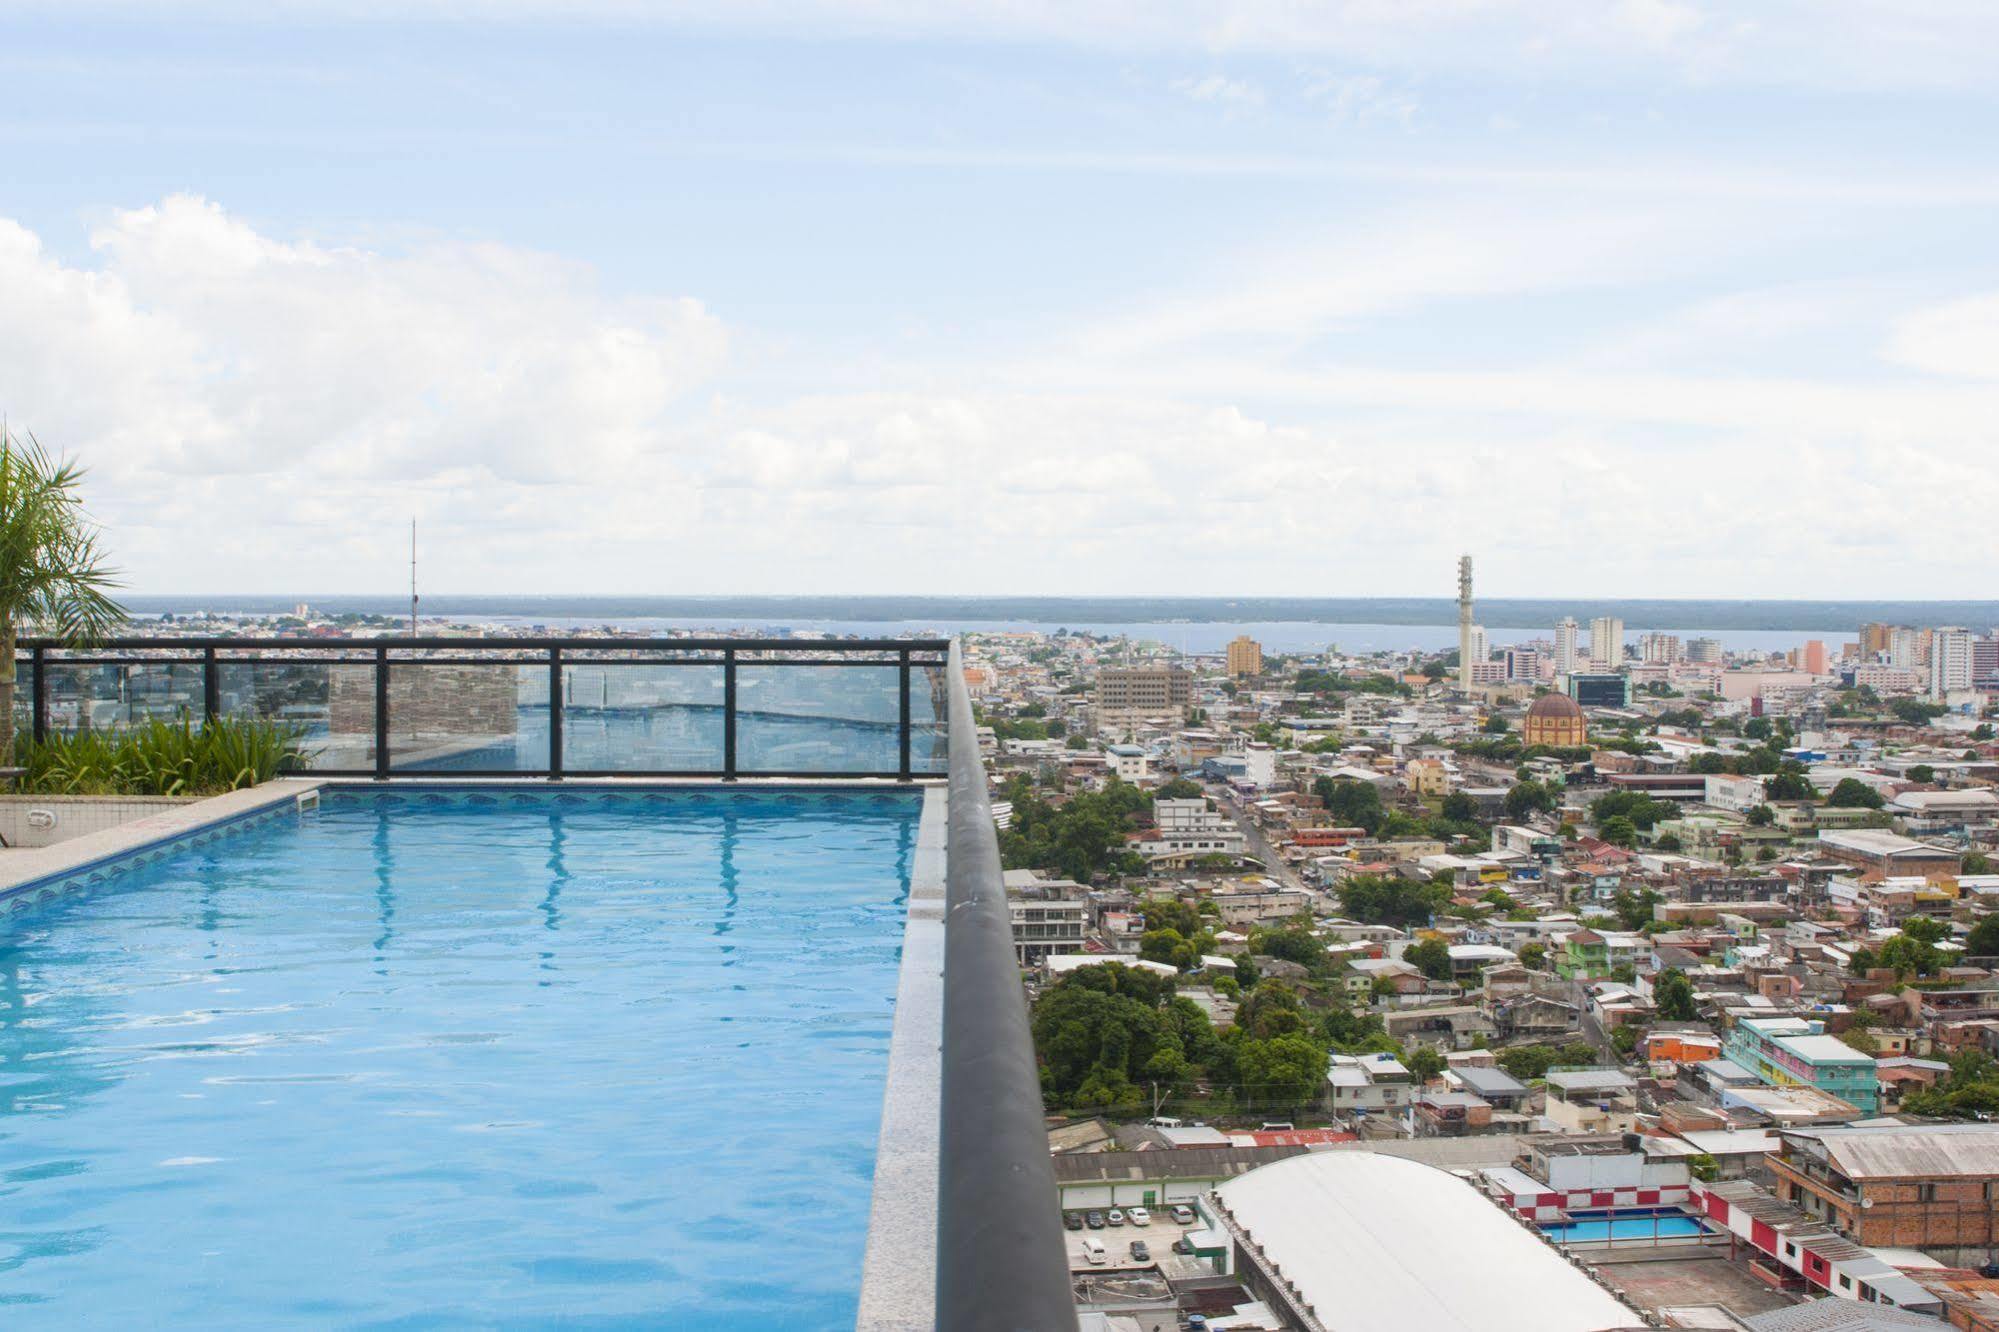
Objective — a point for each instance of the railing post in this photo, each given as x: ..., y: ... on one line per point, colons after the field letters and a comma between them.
x: 555, y: 714
x: 381, y: 714
x: 211, y: 686
x: 39, y: 693
x: 728, y: 714
x: 902, y: 734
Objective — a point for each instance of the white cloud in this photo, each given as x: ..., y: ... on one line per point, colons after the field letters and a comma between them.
x: 1958, y: 338
x: 1236, y: 94
x: 197, y: 345
x: 263, y: 413
x: 1359, y: 99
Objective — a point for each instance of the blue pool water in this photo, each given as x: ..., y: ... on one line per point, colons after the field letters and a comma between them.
x: 1665, y: 1223
x: 412, y: 1062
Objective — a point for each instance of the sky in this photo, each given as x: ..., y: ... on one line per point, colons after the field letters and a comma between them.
x: 1628, y: 298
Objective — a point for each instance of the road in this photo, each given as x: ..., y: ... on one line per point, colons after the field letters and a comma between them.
x: 1258, y: 845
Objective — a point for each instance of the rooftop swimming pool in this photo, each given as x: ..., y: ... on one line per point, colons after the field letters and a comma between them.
x: 427, y: 1059
x: 1665, y: 1223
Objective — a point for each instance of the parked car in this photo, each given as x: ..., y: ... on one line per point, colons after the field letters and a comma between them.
x: 1072, y: 1220
x: 1116, y: 1217
x: 1277, y: 1126
x: 1183, y: 1245
x: 1139, y: 1253
x: 1095, y: 1220
x: 1183, y: 1214
x: 1093, y: 1249
x: 1139, y: 1216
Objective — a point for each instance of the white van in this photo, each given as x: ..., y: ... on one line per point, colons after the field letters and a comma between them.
x: 1163, y: 1121
x: 1093, y: 1249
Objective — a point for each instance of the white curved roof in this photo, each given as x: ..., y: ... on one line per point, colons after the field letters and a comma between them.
x: 1374, y: 1241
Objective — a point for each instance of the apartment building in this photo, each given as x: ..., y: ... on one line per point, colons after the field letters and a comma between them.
x: 1245, y: 657
x: 1129, y: 694
x: 1896, y: 1185
x: 1796, y: 1052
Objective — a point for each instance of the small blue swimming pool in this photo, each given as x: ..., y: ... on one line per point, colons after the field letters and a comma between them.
x: 1625, y: 1224
x: 417, y: 1060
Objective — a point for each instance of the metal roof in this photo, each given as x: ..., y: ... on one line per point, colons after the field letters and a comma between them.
x: 1895, y: 1152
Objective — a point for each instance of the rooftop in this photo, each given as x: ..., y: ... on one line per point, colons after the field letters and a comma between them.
x: 1356, y: 1233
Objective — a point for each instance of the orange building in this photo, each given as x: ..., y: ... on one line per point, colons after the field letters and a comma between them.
x: 1555, y: 720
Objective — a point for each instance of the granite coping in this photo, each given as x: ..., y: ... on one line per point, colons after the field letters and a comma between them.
x: 28, y: 869
x: 899, y: 1273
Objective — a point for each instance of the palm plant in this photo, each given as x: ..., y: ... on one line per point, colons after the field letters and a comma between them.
x: 53, y: 577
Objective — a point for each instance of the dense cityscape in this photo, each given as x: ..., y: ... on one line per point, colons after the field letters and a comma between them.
x: 1661, y: 947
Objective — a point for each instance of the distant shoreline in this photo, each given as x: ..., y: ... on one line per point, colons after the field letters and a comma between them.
x: 1828, y: 617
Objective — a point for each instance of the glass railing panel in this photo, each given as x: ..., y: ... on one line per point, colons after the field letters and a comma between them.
x: 332, y: 704
x: 818, y: 719
x: 451, y: 717
x: 635, y: 716
x: 89, y: 696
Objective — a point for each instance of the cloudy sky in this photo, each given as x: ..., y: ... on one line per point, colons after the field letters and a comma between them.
x: 1628, y: 297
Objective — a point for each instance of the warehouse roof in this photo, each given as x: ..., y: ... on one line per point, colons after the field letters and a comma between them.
x: 1394, y: 1244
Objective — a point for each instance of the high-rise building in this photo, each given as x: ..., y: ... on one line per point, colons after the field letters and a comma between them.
x: 1565, y: 645
x: 1905, y: 647
x: 1704, y: 651
x: 1128, y: 693
x: 1657, y: 648
x: 1481, y: 646
x: 1950, y: 661
x: 1606, y: 640
x: 1245, y: 656
x: 1523, y: 663
x: 1985, y: 659
x: 1812, y: 657
x: 1874, y: 639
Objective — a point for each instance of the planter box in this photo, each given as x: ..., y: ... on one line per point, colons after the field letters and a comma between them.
x: 44, y: 820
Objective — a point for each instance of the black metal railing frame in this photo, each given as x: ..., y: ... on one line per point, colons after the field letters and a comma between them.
x: 1002, y: 1264
x: 388, y: 654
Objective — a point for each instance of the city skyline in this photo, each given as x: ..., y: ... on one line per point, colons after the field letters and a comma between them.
x: 927, y: 299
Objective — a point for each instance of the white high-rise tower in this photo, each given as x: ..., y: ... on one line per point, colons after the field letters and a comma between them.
x: 1606, y: 640
x: 1565, y: 645
x: 1464, y: 624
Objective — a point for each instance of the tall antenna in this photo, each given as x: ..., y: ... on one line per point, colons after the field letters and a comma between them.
x: 1464, y: 625
x: 412, y: 577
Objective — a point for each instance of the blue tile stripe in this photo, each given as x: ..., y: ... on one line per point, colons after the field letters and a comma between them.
x: 94, y: 872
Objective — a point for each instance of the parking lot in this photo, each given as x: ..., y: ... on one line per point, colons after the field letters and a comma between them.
x: 1158, y: 1236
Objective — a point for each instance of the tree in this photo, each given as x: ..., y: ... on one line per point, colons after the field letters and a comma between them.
x: 1789, y: 782
x: 1761, y: 816
x: 1634, y: 910
x: 1674, y: 995
x: 1351, y: 803
x: 1642, y: 811
x: 1528, y: 798
x: 1983, y: 941
x: 1667, y: 842
x: 1459, y: 808
x: 53, y: 576
x: 1922, y: 772
x: 1852, y: 793
x: 1431, y: 956
x: 1378, y: 899
x: 1976, y: 862
x: 1495, y: 725
x: 1180, y: 788
x: 1982, y: 732
x: 1533, y: 956
x: 1282, y: 1070
x: 1424, y: 1063
x: 1291, y: 945
x: 1620, y: 831
x: 1915, y: 711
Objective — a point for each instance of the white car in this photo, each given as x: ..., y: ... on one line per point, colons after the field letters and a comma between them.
x: 1116, y: 1217
x: 1183, y: 1215
x: 1138, y: 1216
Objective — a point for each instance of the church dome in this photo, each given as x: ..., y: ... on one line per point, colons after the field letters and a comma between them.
x: 1552, y: 707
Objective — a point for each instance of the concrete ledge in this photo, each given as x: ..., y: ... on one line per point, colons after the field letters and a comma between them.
x: 899, y: 1274
x: 41, y: 872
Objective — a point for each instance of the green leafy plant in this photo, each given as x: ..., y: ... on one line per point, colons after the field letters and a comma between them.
x: 161, y: 758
